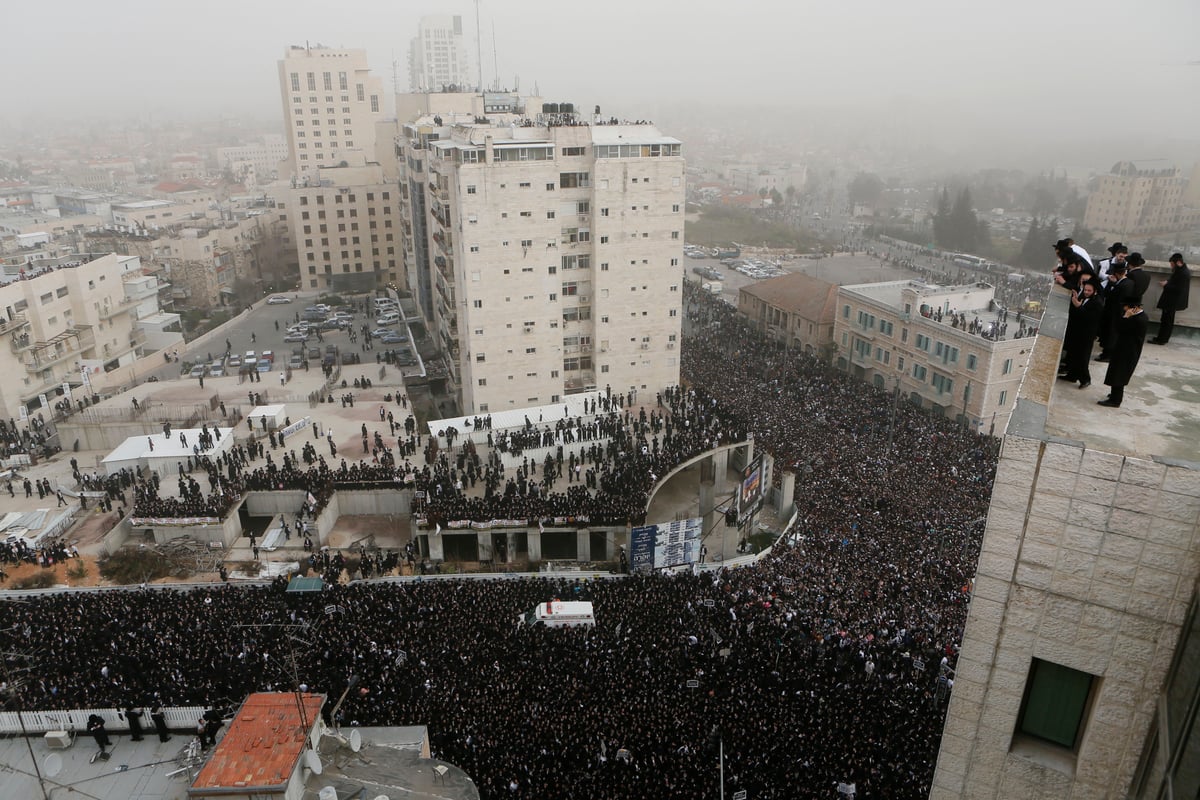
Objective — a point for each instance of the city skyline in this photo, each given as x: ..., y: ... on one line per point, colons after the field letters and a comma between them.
x: 923, y: 63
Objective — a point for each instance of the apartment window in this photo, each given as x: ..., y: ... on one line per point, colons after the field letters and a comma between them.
x: 570, y: 289
x: 972, y: 362
x: 603, y: 240
x: 480, y: 357
x: 328, y: 78
x: 1003, y: 399
x: 470, y: 189
x: 845, y: 312
x: 342, y: 81
x: 478, y: 304
x: 604, y: 212
x: 530, y: 350
x: 549, y: 215
x: 1007, y: 366
x: 527, y: 243
x: 675, y: 207
x: 483, y: 381
x: 524, y: 185
x: 296, y: 83
x: 362, y: 94
x: 572, y: 151
x: 312, y: 85
x: 919, y: 372
x: 674, y: 234
x: 1055, y: 704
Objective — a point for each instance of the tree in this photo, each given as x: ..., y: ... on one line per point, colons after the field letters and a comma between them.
x: 776, y: 197
x: 1033, y: 251
x: 1087, y: 240
x: 865, y: 189
x: 791, y: 194
x: 964, y: 224
x: 941, y: 220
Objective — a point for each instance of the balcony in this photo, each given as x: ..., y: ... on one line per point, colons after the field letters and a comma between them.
x: 14, y: 325
x: 108, y: 312
x: 71, y: 343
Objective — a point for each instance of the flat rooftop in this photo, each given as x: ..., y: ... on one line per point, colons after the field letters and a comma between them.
x: 1160, y: 415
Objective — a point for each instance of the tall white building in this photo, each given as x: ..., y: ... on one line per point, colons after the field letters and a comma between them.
x: 331, y: 104
x: 545, y: 253
x: 437, y: 58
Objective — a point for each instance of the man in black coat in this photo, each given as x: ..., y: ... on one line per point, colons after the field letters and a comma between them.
x: 133, y: 714
x: 1135, y: 273
x: 1083, y: 323
x: 1126, y: 350
x: 1119, y: 289
x: 1174, y: 297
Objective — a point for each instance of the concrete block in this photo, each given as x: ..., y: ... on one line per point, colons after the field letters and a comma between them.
x: 1143, y: 472
x: 1148, y: 630
x: 1098, y: 491
x: 1098, y: 617
x: 1065, y: 611
x: 1045, y: 530
x: 1137, y: 498
x: 1075, y: 563
x: 997, y: 565
x: 1123, y: 547
x: 1098, y: 464
x: 1113, y: 570
x: 1075, y: 586
x: 1050, y: 506
x: 1168, y: 559
x: 1010, y: 496
x: 1016, y: 448
x: 1178, y: 507
x: 1133, y: 653
x: 1156, y: 582
x: 1109, y: 595
x: 991, y: 588
x: 1099, y: 640
x: 1060, y: 459
x: 1182, y: 480
x: 1038, y: 553
x: 1087, y: 515
x: 1131, y: 523
x: 1087, y: 540
x: 1162, y: 530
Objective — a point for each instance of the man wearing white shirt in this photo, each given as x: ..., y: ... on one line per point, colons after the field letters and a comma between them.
x: 1062, y: 243
x: 1117, y: 253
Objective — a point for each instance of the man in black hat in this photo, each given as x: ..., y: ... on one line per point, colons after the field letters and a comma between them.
x: 1126, y: 351
x: 1116, y: 254
x: 1083, y: 322
x: 1119, y: 289
x: 1174, y: 297
x: 1139, y: 276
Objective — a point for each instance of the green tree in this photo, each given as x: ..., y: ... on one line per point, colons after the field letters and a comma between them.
x: 941, y: 221
x: 1033, y: 250
x: 776, y: 197
x: 866, y: 188
x: 1087, y: 240
x: 963, y: 223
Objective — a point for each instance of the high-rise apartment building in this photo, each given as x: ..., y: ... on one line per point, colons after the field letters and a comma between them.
x: 437, y: 58
x: 331, y: 104
x: 1134, y: 201
x: 545, y: 252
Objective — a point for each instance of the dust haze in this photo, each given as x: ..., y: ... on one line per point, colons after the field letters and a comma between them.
x: 1018, y: 84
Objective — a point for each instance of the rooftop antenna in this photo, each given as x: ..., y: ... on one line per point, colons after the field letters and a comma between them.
x: 478, y: 46
x: 495, y: 58
x: 395, y: 74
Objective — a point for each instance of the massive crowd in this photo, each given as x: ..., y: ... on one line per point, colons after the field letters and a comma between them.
x: 827, y: 662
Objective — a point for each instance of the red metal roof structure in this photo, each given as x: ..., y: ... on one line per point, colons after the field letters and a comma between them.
x: 263, y: 746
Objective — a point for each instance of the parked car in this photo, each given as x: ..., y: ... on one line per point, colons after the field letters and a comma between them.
x: 199, y: 371
x: 330, y: 325
x: 392, y: 337
x: 216, y: 369
x: 278, y: 300
x: 379, y: 333
x: 296, y: 336
x: 296, y: 362
x: 387, y: 320
x: 268, y: 355
x: 314, y: 352
x: 235, y: 361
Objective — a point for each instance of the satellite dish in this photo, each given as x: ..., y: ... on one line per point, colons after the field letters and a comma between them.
x: 355, y: 741
x: 52, y: 764
x: 313, y: 762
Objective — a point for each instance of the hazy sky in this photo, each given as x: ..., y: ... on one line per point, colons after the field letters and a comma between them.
x: 1053, y: 66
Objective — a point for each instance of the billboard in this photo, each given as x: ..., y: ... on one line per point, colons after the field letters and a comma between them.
x: 750, y: 492
x: 667, y: 544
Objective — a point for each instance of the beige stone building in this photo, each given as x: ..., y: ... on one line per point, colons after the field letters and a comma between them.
x: 68, y: 317
x: 796, y: 310
x: 546, y: 252
x: 1079, y: 672
x: 901, y: 336
x: 1135, y: 201
x: 331, y: 103
x: 437, y: 55
x: 344, y: 222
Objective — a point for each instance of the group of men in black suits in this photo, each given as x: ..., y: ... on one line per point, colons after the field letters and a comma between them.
x: 1106, y: 306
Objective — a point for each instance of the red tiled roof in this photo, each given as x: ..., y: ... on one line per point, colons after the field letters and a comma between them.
x: 263, y: 745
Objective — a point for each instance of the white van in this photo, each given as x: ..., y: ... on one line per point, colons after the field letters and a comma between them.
x: 382, y: 303
x: 559, y: 614
x: 388, y: 319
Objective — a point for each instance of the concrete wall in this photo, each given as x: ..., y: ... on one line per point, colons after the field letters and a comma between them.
x: 1088, y: 561
x: 225, y: 532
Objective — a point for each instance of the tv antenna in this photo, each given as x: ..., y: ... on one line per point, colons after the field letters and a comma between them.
x: 478, y: 46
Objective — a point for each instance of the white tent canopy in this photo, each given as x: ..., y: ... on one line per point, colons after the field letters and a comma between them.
x: 163, y: 454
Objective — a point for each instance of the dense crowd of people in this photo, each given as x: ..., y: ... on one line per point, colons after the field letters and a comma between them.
x: 828, y: 662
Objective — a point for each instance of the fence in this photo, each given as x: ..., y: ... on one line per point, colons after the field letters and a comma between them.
x: 38, y: 722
